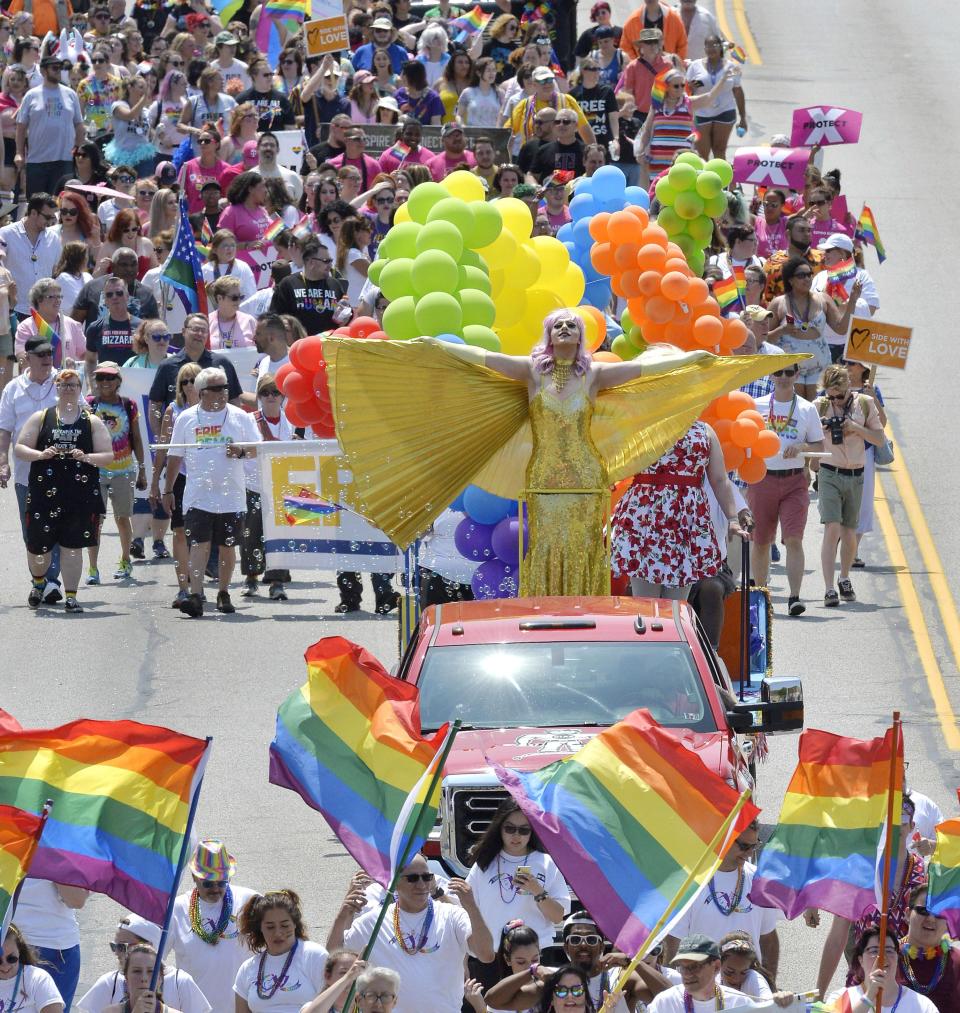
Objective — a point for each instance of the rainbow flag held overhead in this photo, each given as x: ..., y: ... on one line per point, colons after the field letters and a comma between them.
x: 287, y: 8
x: 306, y: 507
x: 627, y: 819
x: 943, y: 875
x: 348, y: 742
x: 206, y: 238
x: 44, y: 330
x: 868, y: 232
x: 19, y: 836
x: 121, y: 795
x: 658, y: 91
x: 837, y: 278
x: 727, y: 293
x: 274, y: 229
x: 737, y: 52
x: 470, y: 23
x: 226, y: 10
x: 827, y: 848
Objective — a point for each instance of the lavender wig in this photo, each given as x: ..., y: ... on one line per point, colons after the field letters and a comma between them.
x: 542, y: 353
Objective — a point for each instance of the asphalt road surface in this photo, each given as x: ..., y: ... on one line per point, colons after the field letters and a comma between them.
x: 131, y: 656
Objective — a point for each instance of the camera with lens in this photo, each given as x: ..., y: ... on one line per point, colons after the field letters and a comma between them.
x: 835, y: 424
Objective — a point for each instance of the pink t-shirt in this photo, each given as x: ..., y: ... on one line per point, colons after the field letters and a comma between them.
x: 249, y: 226
x: 770, y: 237
x: 390, y: 160
x: 73, y: 342
x: 237, y: 334
x: 443, y: 164
x: 193, y: 175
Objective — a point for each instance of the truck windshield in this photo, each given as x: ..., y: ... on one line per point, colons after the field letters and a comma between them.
x: 569, y: 683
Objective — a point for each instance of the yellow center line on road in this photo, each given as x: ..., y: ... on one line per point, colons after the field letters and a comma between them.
x: 747, y: 40
x: 914, y: 613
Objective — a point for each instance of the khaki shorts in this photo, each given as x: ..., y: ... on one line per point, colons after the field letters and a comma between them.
x: 840, y: 497
x: 119, y: 489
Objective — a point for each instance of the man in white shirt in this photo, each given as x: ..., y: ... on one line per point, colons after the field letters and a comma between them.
x: 32, y: 248
x: 837, y: 248
x: 698, y: 961
x: 699, y: 24
x: 268, y: 148
x: 271, y: 339
x: 215, y: 497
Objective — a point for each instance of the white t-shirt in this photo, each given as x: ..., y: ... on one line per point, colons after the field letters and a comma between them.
x: 704, y: 916
x: 180, y: 992
x: 724, y: 101
x: 44, y: 919
x: 238, y: 269
x: 671, y: 1001
x: 214, y: 968
x: 355, y: 280
x: 291, y: 179
x: 600, y: 985
x: 214, y: 481
x: 499, y: 902
x: 795, y: 421
x: 867, y: 304
x: 236, y: 70
x: 926, y: 815
x: 303, y: 981
x: 267, y: 365
x: 35, y: 992
x: 909, y: 1001
x: 430, y: 981
x: 754, y: 985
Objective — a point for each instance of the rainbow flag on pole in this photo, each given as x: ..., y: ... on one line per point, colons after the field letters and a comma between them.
x: 658, y: 91
x: 827, y: 849
x: 943, y: 875
x: 737, y: 52
x: 274, y: 229
x: 470, y: 23
x: 727, y: 293
x: 182, y: 269
x: 121, y: 795
x: 868, y: 232
x: 44, y: 330
x: 306, y: 508
x: 19, y: 836
x: 348, y: 743
x: 627, y: 819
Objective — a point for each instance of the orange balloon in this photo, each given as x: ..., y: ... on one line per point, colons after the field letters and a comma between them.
x: 638, y: 212
x: 598, y: 226
x: 698, y: 292
x: 655, y: 234
x: 722, y: 428
x: 733, y: 456
x: 707, y: 309
x: 623, y: 227
x: 606, y: 357
x: 638, y: 310
x: 674, y: 285
x: 660, y: 310
x: 744, y: 432
x: 752, y: 413
x: 678, y: 333
x: 730, y: 405
x: 625, y: 255
x: 653, y: 332
x: 649, y: 282
x: 601, y: 256
x: 707, y: 331
x: 651, y: 257
x: 630, y: 283
x: 616, y: 283
x: 678, y: 264
x: 768, y: 444
x: 753, y: 469
x: 674, y: 251
x: 734, y: 334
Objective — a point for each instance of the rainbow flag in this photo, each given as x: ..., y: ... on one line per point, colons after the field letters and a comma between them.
x: 182, y: 270
x: 658, y: 91
x: 274, y: 229
x: 727, y: 292
x: 470, y: 23
x: 943, y: 875
x: 44, y: 330
x: 841, y: 1004
x: 837, y: 278
x: 740, y: 277
x: 826, y: 850
x: 206, y: 238
x: 19, y: 836
x: 737, y: 52
x: 121, y: 794
x: 627, y: 818
x: 868, y: 232
x: 287, y: 8
x: 306, y: 508
x: 348, y: 743
x: 226, y: 10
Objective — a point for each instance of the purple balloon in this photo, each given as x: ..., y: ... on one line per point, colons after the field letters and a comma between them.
x: 473, y: 540
x: 506, y: 542
x: 495, y: 579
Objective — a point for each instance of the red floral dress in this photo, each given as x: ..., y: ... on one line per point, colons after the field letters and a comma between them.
x: 662, y: 533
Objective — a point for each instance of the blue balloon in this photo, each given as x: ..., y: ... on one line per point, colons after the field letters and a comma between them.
x: 457, y: 504
x: 611, y: 204
x: 591, y: 274
x: 485, y: 508
x: 565, y: 233
x: 473, y: 541
x: 495, y: 579
x: 581, y: 233
x: 582, y: 205
x: 637, y: 196
x: 608, y: 182
x: 451, y: 339
x: 597, y: 294
x: 506, y: 540
x: 572, y: 249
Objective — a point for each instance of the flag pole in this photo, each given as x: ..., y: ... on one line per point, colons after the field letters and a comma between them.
x: 404, y: 857
x: 44, y: 815
x: 708, y: 852
x: 888, y: 851
x: 181, y: 862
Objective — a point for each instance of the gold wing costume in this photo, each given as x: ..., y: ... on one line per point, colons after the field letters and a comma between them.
x: 417, y: 424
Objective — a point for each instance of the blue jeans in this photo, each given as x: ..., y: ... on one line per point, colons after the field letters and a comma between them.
x: 64, y: 967
x: 53, y: 570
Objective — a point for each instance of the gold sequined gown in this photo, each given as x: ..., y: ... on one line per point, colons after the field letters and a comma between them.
x: 567, y: 554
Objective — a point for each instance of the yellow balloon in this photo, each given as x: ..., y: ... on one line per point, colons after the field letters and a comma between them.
x: 517, y: 340
x: 498, y: 280
x: 510, y: 307
x: 402, y: 214
x: 573, y: 285
x: 553, y: 255
x: 516, y: 216
x: 464, y: 185
x: 525, y: 268
x: 500, y: 252
x: 540, y: 303
x: 590, y: 327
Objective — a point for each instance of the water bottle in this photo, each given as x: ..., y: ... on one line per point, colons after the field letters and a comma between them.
x: 343, y: 312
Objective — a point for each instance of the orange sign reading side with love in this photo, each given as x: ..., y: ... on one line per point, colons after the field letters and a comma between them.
x: 877, y: 343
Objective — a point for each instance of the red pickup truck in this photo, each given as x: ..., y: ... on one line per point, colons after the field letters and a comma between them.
x: 532, y: 679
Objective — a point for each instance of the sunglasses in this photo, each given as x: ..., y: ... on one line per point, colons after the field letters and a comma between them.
x: 423, y: 877
x: 106, y: 379
x: 386, y: 201
x: 205, y: 140
x: 746, y: 847
x: 126, y: 179
x: 175, y: 63
x: 98, y: 61
x: 792, y: 371
x: 816, y: 203
x: 118, y: 294
x: 233, y: 297
x: 838, y: 397
x: 218, y: 388
x: 562, y: 992
x: 146, y: 193
x: 68, y: 212
x: 42, y: 355
x: 383, y: 997
x: 187, y: 383
x: 12, y: 958
x: 591, y: 940
x: 163, y: 336
x: 512, y: 828
x: 270, y: 393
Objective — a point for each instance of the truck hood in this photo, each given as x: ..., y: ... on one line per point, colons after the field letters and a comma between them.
x: 532, y: 748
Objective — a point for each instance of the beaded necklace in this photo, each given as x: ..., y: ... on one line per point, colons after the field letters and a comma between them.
x: 717, y: 998
x: 419, y: 942
x: 729, y: 909
x: 561, y: 373
x: 196, y: 921
x: 16, y: 985
x: 278, y: 979
x: 909, y: 953
x: 513, y: 887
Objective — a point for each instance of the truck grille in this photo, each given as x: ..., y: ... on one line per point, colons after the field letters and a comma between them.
x: 472, y: 810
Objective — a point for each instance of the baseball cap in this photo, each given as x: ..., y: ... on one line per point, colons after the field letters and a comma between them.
x: 837, y: 241
x: 522, y: 190
x: 449, y: 128
x: 140, y: 927
x: 50, y: 59
x: 382, y: 23
x: 166, y: 173
x: 650, y: 35
x: 697, y: 947
x: 604, y: 32
x: 106, y: 369
x: 226, y: 39
x: 211, y: 184
x: 543, y: 74
x: 250, y: 155
x: 755, y: 312
x: 38, y: 344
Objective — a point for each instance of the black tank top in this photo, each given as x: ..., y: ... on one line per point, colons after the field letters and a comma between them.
x: 62, y: 482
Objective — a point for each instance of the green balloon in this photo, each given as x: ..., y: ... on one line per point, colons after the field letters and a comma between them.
x: 620, y: 346
x: 666, y: 194
x: 422, y: 198
x: 438, y: 313
x: 722, y: 168
x: 399, y: 319
x: 708, y: 184
x: 400, y: 241
x: 435, y: 271
x: 440, y: 236
x: 696, y: 260
x: 688, y: 205
x: 686, y: 244
x: 373, y: 272
x: 396, y: 278
x: 482, y: 337
x: 626, y: 321
x: 670, y: 221
x: 700, y: 230
x: 477, y: 307
x: 471, y: 259
x: 473, y: 277
x: 715, y: 207
x: 689, y: 158
x: 635, y: 336
x: 487, y: 225
x: 682, y: 177
x: 455, y: 211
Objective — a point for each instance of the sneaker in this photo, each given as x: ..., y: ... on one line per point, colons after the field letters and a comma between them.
x: 347, y: 606
x: 51, y: 593
x: 192, y: 606
x: 277, y: 592
x: 774, y: 553
x: 35, y: 597
x: 386, y: 605
x: 250, y: 588
x: 858, y: 564
x: 136, y: 548
x: 160, y: 550
x: 181, y: 596
x: 224, y: 604
x: 831, y: 599
x: 847, y: 592
x: 124, y: 570
x: 795, y: 607
x: 93, y: 576
x: 72, y: 605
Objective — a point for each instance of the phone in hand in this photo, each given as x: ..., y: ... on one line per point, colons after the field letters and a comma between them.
x: 524, y: 870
